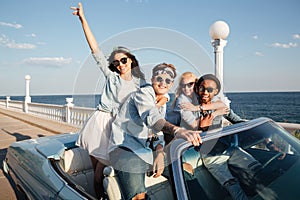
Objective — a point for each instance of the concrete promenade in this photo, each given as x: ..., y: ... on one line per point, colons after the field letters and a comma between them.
x: 17, y: 126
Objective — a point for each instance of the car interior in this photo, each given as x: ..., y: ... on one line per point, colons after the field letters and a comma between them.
x: 274, y: 171
x: 76, y: 168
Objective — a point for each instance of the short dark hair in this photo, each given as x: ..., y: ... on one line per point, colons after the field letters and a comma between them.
x: 208, y: 77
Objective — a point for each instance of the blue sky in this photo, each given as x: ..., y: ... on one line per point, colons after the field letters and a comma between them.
x: 44, y: 40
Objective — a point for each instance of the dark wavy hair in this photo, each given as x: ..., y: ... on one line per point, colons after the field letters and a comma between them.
x: 135, y: 68
x: 207, y: 77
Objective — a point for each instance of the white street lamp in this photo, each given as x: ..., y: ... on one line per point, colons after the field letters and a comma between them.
x: 219, y: 31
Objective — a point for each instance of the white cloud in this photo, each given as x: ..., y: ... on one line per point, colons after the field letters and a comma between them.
x: 31, y: 35
x: 285, y: 46
x: 257, y: 53
x: 255, y: 37
x: 17, y: 26
x: 41, y: 43
x: 48, y: 61
x: 296, y: 36
x: 14, y: 45
x: 5, y: 41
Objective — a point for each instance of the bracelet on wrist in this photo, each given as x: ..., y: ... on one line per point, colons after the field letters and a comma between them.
x: 160, y: 151
x: 201, y: 108
x: 176, y: 131
x: 204, y: 128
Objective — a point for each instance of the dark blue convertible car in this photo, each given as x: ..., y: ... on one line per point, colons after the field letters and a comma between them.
x: 54, y: 168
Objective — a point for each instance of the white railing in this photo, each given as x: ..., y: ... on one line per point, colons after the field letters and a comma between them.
x: 79, y: 115
x: 15, y: 105
x: 75, y: 115
x: 69, y: 113
x: 54, y: 112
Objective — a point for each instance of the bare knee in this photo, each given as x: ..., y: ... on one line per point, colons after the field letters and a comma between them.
x: 140, y: 196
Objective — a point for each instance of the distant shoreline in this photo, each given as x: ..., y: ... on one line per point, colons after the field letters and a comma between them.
x: 234, y: 92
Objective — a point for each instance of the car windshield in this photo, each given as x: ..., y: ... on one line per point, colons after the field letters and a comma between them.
x: 263, y: 160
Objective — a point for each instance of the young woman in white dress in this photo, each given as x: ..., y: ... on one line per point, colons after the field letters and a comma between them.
x: 123, y: 76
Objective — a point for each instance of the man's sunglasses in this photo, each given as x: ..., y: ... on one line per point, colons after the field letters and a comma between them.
x: 116, y: 63
x: 189, y: 85
x: 161, y: 79
x: 208, y: 89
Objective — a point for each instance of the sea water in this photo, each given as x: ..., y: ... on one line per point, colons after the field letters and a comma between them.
x: 279, y: 106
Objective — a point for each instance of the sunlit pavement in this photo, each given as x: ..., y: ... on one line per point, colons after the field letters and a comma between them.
x: 16, y: 129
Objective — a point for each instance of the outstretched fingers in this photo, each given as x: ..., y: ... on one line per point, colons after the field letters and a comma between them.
x: 191, y: 136
x: 78, y: 10
x: 196, y: 138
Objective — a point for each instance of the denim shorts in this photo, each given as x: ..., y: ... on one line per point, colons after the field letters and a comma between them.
x: 131, y: 183
x: 130, y: 170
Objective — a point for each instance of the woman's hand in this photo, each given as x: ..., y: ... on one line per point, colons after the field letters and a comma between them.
x: 78, y: 10
x: 189, y: 106
x: 220, y: 111
x: 161, y: 100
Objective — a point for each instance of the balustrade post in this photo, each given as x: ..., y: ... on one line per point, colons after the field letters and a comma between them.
x: 27, y: 96
x: 69, y: 105
x: 7, y: 101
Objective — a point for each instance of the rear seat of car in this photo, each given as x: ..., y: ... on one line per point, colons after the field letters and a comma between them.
x: 78, y: 167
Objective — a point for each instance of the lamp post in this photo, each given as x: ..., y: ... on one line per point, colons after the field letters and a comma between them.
x: 219, y: 31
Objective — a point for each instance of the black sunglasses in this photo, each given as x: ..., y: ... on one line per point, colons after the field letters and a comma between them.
x: 208, y: 89
x: 116, y: 63
x: 189, y: 85
x: 161, y: 79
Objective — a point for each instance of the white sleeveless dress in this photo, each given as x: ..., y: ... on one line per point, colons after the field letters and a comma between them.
x: 95, y: 135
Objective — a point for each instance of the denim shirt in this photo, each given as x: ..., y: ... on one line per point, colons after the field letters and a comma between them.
x: 135, y: 122
x: 115, y: 89
x: 187, y: 117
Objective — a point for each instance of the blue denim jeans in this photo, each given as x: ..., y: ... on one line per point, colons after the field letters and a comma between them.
x: 234, y: 156
x: 131, y: 183
x: 130, y: 170
x: 218, y: 165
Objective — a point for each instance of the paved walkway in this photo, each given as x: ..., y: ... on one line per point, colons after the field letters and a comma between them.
x: 16, y: 126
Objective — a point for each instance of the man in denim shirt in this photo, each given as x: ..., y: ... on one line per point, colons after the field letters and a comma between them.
x: 138, y: 123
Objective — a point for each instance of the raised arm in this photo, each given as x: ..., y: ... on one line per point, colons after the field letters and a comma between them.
x: 85, y: 26
x: 212, y: 106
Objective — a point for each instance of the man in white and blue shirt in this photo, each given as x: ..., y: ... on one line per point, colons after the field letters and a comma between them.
x: 138, y: 124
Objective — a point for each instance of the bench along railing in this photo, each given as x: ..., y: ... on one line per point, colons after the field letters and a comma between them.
x: 63, y: 113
